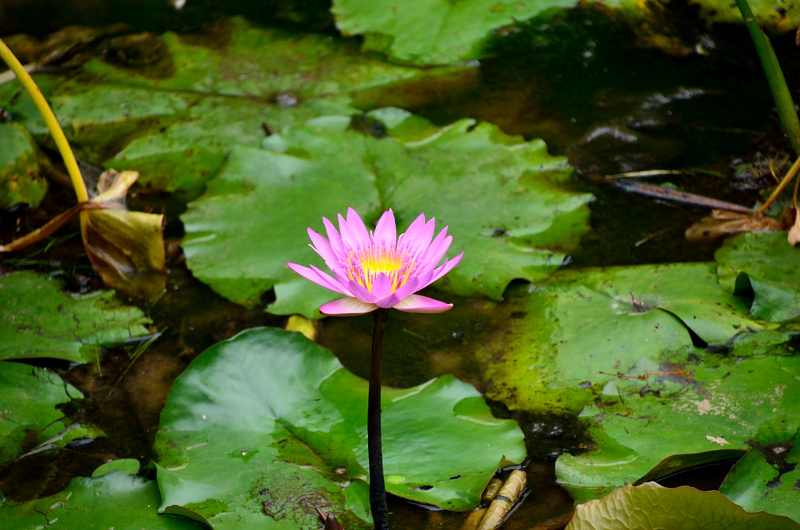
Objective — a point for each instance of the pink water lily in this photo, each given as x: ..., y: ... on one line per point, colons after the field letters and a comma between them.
x: 379, y: 269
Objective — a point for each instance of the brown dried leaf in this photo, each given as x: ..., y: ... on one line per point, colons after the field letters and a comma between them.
x: 126, y: 248
x: 723, y: 222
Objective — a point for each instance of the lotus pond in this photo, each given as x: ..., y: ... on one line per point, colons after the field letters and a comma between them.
x: 180, y: 375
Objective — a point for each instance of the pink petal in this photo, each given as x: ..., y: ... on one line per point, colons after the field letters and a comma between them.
x: 335, y: 285
x: 381, y: 286
x: 354, y: 233
x: 411, y: 286
x: 360, y: 292
x: 333, y: 237
x: 418, y: 243
x: 318, y: 277
x: 437, y: 249
x: 412, y: 233
x: 415, y: 303
x: 385, y: 231
x: 322, y: 247
x: 346, y: 307
x: 447, y: 267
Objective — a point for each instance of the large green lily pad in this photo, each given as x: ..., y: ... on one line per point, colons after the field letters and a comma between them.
x: 265, y: 426
x: 764, y: 263
x: 20, y: 157
x: 28, y: 399
x: 174, y: 122
x: 501, y: 197
x: 687, y: 403
x: 579, y: 328
x: 424, y: 32
x: 114, y: 500
x: 767, y: 477
x: 41, y: 320
x: 651, y: 506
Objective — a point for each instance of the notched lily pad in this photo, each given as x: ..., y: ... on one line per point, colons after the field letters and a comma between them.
x: 581, y: 328
x: 40, y: 320
x: 765, y: 265
x: 688, y: 402
x: 502, y: 198
x: 263, y: 428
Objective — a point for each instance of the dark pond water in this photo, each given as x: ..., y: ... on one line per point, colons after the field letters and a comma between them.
x: 594, y: 89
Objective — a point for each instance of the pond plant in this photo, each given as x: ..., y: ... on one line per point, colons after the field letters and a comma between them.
x: 378, y: 271
x: 590, y: 356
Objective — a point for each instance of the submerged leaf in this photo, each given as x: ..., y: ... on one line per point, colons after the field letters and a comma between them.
x: 39, y: 320
x: 19, y: 167
x: 723, y: 223
x: 651, y: 506
x: 580, y: 328
x: 266, y: 427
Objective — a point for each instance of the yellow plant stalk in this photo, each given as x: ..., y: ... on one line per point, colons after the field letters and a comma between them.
x: 50, y: 119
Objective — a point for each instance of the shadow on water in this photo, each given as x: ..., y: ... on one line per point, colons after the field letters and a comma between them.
x: 610, y: 97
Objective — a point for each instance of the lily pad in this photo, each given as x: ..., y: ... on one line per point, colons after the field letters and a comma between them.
x: 175, y: 121
x: 580, y: 328
x: 263, y: 427
x: 502, y: 198
x: 114, y: 500
x: 28, y: 400
x: 426, y: 33
x: 20, y: 157
x: 766, y: 265
x: 41, y: 320
x: 720, y: 401
x: 767, y: 477
x: 651, y: 506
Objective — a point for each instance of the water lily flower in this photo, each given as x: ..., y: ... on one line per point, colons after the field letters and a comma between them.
x: 379, y: 269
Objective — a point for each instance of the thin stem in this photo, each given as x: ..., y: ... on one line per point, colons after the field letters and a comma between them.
x: 49, y: 118
x: 782, y: 186
x: 377, y: 488
x: 774, y: 74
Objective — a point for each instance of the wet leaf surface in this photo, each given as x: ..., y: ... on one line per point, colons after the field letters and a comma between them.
x: 766, y: 265
x: 40, y: 320
x: 263, y: 428
x: 580, y: 328
x: 653, y: 506
x: 692, y: 402
x: 114, y: 500
x: 502, y: 198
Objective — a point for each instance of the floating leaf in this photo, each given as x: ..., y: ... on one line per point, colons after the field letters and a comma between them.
x: 39, y: 320
x: 19, y: 167
x: 767, y: 265
x: 579, y: 328
x: 694, y: 402
x: 425, y: 33
x: 767, y: 477
x: 126, y: 465
x: 175, y: 121
x: 653, y: 506
x: 28, y: 399
x: 264, y: 427
x: 500, y: 196
x: 114, y: 500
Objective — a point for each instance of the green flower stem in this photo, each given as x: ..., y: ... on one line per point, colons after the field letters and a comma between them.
x: 377, y: 488
x: 775, y: 79
x: 49, y: 118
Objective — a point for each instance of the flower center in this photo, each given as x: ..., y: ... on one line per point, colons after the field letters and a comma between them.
x: 365, y: 264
